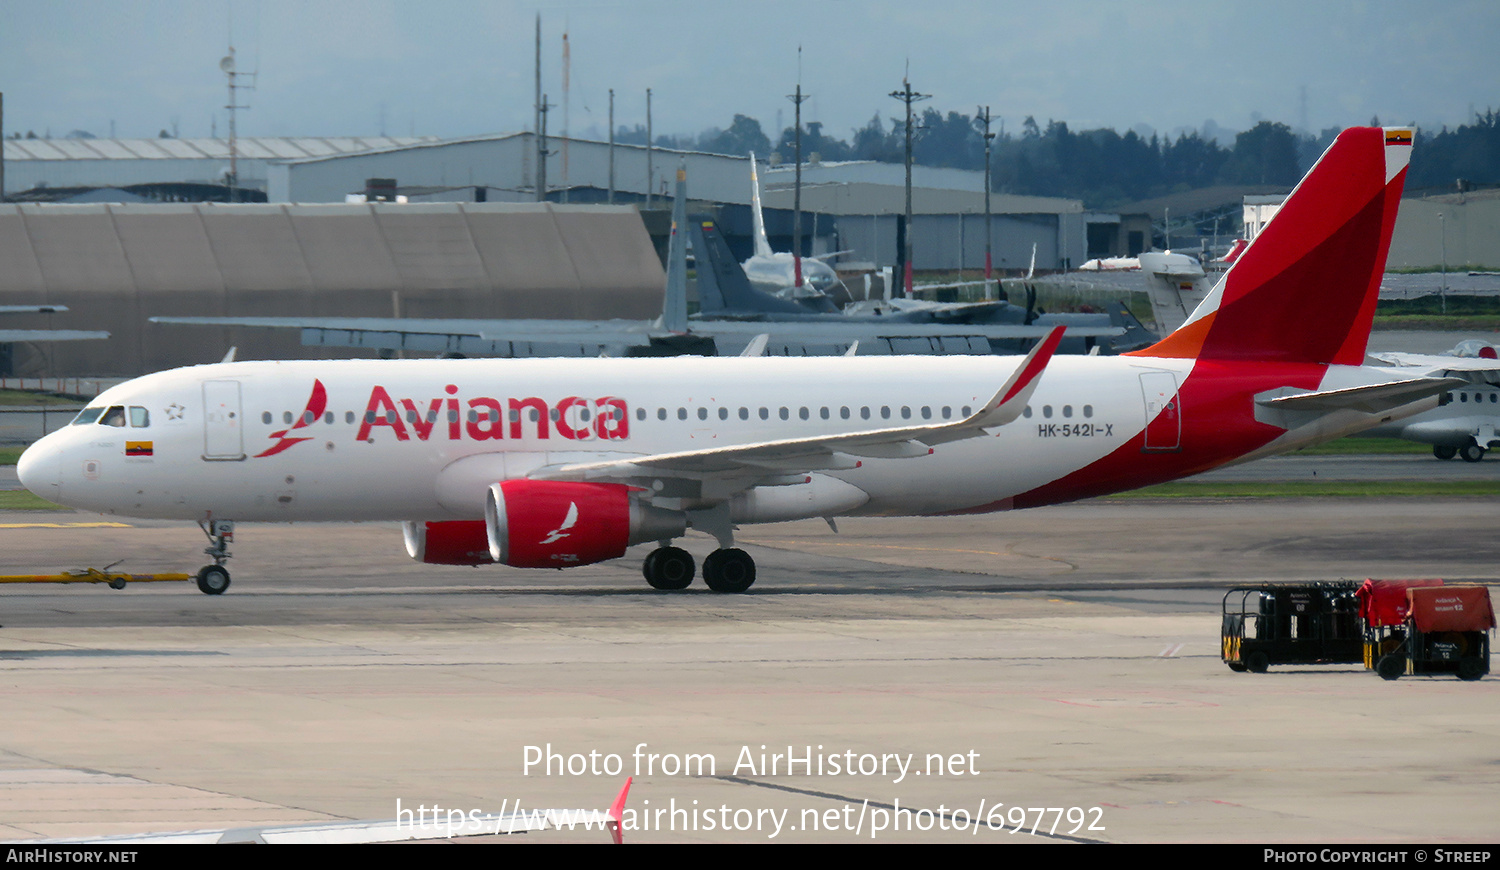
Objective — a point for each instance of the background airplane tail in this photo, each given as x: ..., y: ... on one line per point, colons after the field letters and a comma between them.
x: 762, y: 244
x: 722, y: 285
x: 1305, y: 290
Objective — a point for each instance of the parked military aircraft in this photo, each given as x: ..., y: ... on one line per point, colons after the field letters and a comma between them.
x: 726, y: 293
x: 669, y: 335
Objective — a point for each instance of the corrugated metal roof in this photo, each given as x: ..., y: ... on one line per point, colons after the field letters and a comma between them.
x: 252, y: 147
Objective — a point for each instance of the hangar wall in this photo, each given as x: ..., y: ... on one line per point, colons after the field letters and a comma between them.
x: 116, y: 265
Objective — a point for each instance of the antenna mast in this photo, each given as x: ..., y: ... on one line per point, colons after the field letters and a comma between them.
x: 227, y: 65
x: 908, y: 96
x: 797, y: 100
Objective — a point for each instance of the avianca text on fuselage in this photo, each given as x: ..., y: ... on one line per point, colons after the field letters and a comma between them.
x: 485, y: 418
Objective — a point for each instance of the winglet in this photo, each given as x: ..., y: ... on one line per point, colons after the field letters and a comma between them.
x: 1011, y: 399
x: 617, y: 813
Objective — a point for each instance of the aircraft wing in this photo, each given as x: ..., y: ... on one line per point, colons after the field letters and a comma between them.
x: 743, y: 464
x: 1371, y: 399
x: 516, y: 338
x: 9, y: 335
x: 32, y: 309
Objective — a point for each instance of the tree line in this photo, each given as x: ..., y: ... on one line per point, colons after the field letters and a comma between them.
x: 1102, y: 167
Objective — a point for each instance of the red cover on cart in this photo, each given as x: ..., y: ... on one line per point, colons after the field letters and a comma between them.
x: 1384, y: 602
x: 1452, y: 608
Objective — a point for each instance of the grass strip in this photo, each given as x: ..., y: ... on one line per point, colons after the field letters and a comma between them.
x: 1316, y: 489
x: 21, y: 500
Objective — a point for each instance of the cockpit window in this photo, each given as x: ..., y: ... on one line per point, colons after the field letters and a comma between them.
x: 140, y: 418
x: 115, y: 416
x: 87, y: 416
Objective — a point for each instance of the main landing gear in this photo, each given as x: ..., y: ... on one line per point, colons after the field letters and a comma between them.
x: 726, y: 569
x: 1469, y: 451
x: 214, y: 579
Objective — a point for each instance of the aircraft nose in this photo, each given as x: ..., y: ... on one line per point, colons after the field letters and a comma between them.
x: 40, y: 470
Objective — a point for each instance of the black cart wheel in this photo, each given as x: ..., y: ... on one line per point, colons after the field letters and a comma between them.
x: 1237, y: 667
x: 1470, y: 668
x: 1257, y: 662
x: 212, y: 580
x: 1390, y: 667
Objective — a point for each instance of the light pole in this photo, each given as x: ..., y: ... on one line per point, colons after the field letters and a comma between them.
x: 984, y: 115
x: 797, y: 100
x: 907, y: 96
x: 1443, y: 232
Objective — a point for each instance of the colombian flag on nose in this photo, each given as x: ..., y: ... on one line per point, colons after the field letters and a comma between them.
x: 138, y: 448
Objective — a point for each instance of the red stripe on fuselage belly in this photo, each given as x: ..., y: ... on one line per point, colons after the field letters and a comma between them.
x: 1217, y: 406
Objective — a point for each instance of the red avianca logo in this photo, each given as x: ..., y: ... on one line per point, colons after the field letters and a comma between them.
x: 482, y: 418
x: 316, y: 404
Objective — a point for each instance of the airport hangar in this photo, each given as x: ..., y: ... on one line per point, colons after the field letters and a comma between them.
x: 470, y: 241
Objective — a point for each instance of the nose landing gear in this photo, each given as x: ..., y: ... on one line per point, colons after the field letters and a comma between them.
x: 214, y: 579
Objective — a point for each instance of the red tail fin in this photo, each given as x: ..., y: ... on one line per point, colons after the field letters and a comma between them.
x: 1305, y: 289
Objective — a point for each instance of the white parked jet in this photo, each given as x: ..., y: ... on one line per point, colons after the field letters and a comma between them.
x: 786, y: 273
x: 556, y: 463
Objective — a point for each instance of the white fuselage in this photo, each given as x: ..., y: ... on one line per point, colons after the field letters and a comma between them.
x: 211, y: 444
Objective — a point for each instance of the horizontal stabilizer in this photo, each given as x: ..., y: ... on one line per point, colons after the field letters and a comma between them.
x: 1372, y: 399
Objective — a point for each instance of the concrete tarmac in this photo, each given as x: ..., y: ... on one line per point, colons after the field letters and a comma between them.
x: 1059, y: 658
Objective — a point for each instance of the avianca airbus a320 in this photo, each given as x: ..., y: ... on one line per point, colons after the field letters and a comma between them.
x: 556, y: 463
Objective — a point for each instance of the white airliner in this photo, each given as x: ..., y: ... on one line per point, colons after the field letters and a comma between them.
x: 547, y: 463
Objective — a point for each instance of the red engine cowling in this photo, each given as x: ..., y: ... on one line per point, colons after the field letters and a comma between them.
x: 560, y: 524
x: 453, y: 542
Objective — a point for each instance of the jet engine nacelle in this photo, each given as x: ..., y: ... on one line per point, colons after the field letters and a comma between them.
x: 560, y: 524
x: 452, y: 542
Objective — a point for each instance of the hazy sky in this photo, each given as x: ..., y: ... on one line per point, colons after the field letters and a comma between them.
x: 459, y: 67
